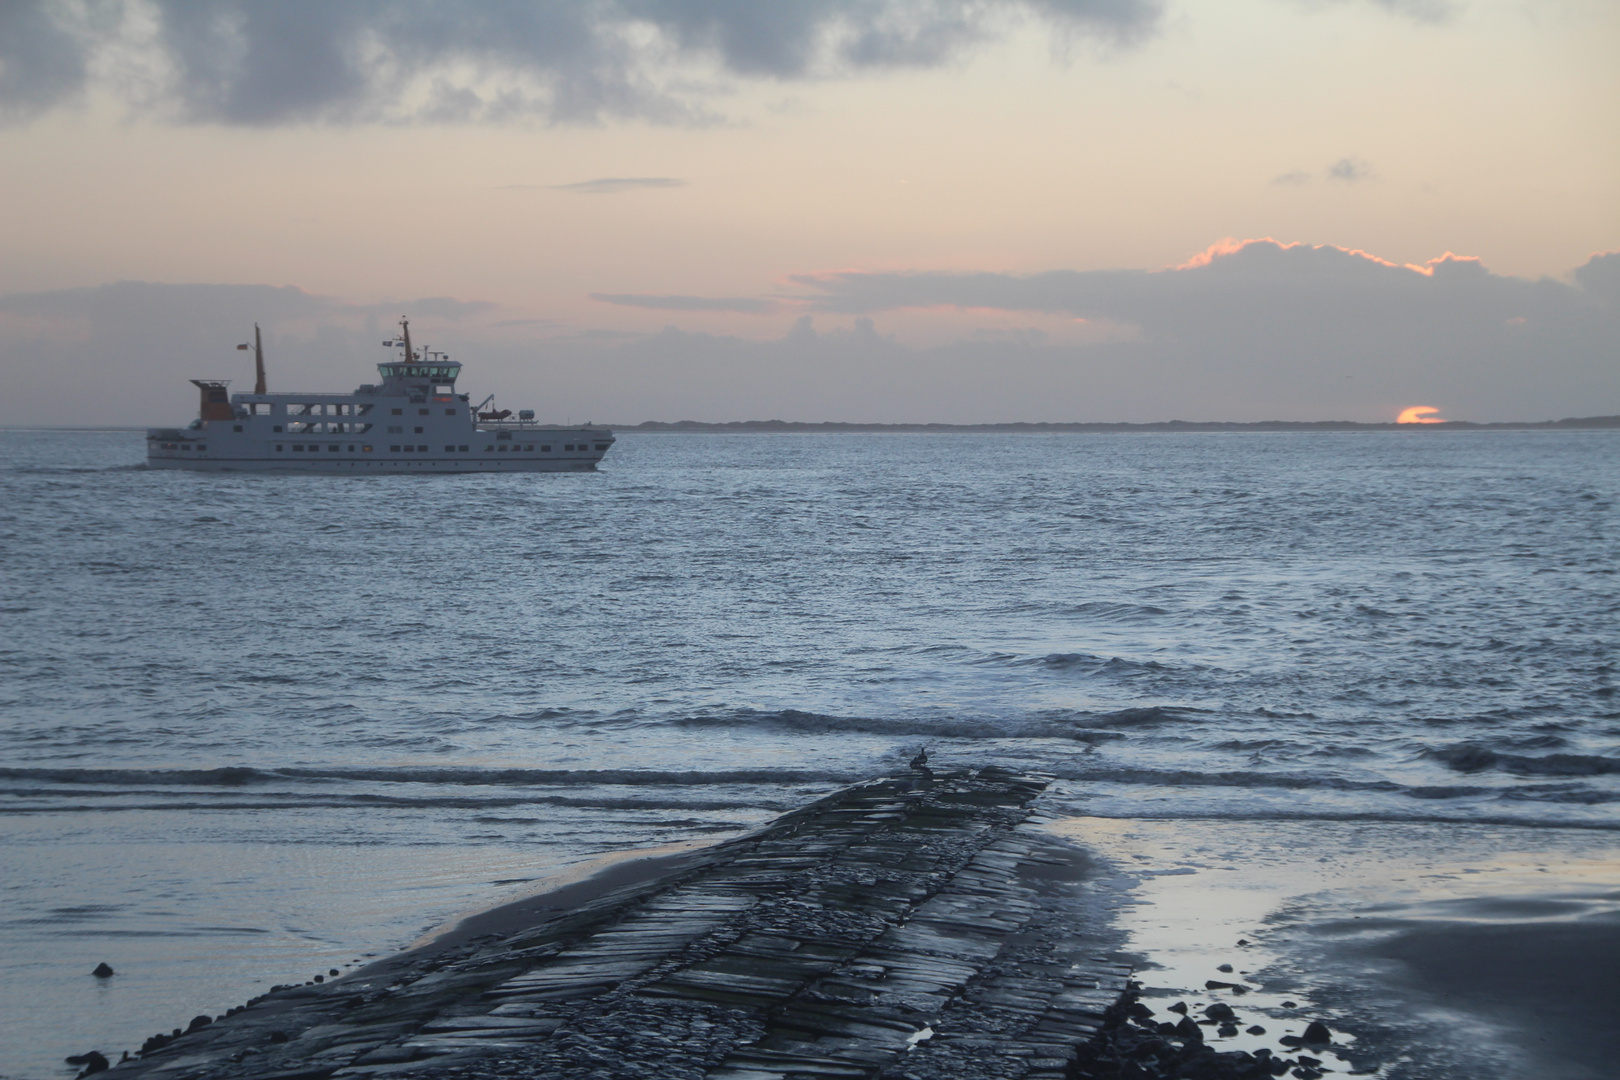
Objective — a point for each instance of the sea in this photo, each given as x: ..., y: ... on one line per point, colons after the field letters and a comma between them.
x: 256, y: 727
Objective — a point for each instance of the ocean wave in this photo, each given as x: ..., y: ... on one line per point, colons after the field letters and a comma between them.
x: 1246, y: 778
x: 1105, y: 611
x: 1085, y: 727
x: 303, y: 801
x: 1472, y: 758
x: 243, y: 775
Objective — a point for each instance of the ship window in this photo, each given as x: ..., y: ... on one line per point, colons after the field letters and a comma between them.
x: 298, y: 448
x: 545, y: 449
x: 351, y: 448
x: 422, y: 449
x: 200, y: 446
x: 601, y: 446
x: 569, y: 447
x: 449, y: 449
x: 238, y: 427
x: 278, y: 448
x: 449, y: 412
x: 529, y: 447
x: 333, y: 449
x: 399, y: 412
x: 276, y: 428
x: 422, y: 412
x: 503, y: 449
x: 418, y: 431
x: 365, y: 449
x: 488, y: 449
x: 395, y: 429
x: 463, y: 449
x: 393, y: 449
x: 507, y: 435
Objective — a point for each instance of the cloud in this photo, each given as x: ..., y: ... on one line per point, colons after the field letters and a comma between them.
x: 609, y: 185
x: 1349, y: 170
x: 1429, y: 11
x: 1601, y: 276
x: 1261, y: 321
x: 1246, y: 330
x: 742, y: 304
x: 1292, y: 179
x: 250, y: 63
x: 41, y: 61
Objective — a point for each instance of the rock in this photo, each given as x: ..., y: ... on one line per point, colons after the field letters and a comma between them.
x: 1307, y: 1061
x: 1220, y: 1011
x: 1289, y: 1005
x: 199, y: 1022
x: 1215, y: 984
x: 320, y: 978
x: 1317, y: 1032
x: 1307, y: 1074
x: 1226, y: 1031
x: 1189, y: 1030
x: 278, y: 1036
x: 104, y: 971
x: 1179, y: 1007
x: 1244, y: 942
x: 93, y: 1062
x: 1255, y: 1029
x: 1139, y: 1010
x: 1226, y: 968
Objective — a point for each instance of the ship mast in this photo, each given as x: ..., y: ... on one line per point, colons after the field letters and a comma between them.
x: 258, y: 361
x: 405, y: 328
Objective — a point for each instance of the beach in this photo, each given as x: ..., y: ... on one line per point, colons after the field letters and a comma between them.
x: 249, y: 740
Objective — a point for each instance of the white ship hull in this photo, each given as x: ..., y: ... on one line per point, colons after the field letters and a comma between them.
x: 528, y: 450
x: 414, y: 421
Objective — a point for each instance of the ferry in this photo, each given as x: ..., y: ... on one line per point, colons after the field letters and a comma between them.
x: 413, y: 421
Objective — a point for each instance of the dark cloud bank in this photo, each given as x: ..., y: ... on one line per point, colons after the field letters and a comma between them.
x: 258, y: 63
x: 1256, y: 331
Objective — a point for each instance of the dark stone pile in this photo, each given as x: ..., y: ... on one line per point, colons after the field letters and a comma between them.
x: 1136, y: 1044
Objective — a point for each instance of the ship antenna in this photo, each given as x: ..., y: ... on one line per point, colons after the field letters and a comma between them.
x: 258, y: 362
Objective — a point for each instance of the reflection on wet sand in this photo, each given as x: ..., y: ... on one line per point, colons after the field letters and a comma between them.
x: 1432, y: 951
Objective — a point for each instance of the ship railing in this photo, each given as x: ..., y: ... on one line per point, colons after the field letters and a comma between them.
x: 530, y: 425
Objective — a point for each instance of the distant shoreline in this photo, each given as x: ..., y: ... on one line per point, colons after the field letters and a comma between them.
x: 700, y: 427
x: 1584, y: 423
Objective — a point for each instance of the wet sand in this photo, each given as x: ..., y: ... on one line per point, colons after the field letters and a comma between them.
x: 1435, y: 951
x: 1553, y: 986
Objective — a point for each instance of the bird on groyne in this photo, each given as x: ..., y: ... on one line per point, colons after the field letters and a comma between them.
x: 920, y: 762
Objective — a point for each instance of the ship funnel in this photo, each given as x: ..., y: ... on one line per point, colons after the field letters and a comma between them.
x: 216, y: 401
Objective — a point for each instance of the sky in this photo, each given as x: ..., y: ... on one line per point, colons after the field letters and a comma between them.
x: 859, y: 210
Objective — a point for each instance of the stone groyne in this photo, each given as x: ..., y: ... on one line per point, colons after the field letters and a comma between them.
x: 914, y: 927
